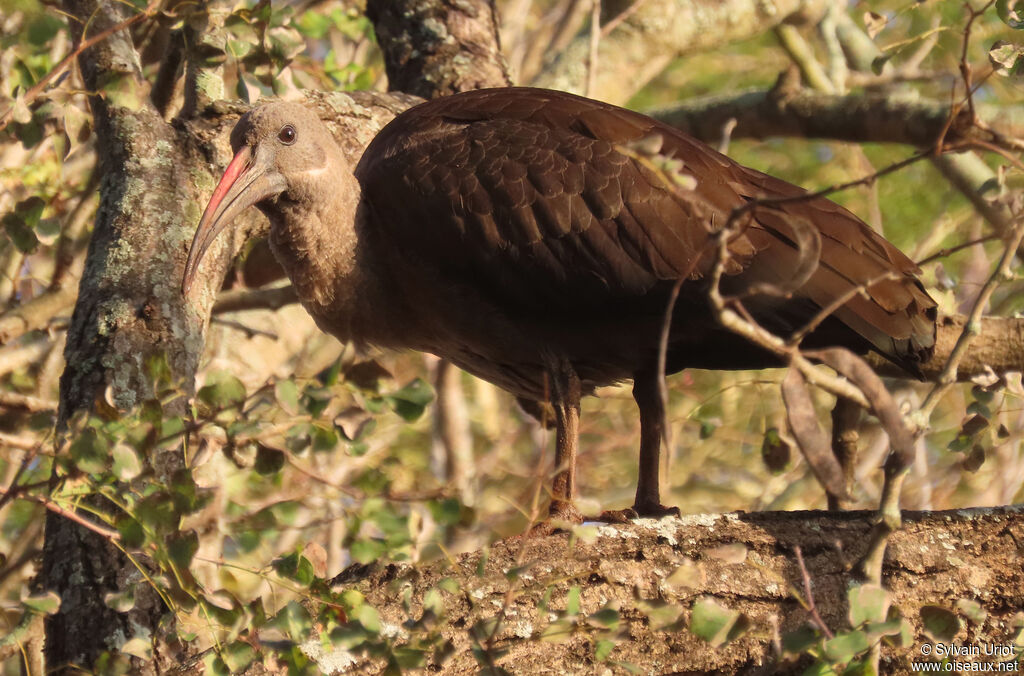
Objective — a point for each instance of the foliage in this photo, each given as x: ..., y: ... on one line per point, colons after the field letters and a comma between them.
x: 264, y: 468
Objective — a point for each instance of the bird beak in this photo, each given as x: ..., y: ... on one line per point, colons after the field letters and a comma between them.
x: 249, y: 178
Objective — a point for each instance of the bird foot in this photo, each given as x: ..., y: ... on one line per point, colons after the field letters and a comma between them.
x: 645, y: 511
x: 560, y: 514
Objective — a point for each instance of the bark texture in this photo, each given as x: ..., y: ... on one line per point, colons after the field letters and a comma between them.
x: 998, y: 347
x: 156, y: 177
x: 435, y: 48
x: 938, y: 558
x: 857, y: 118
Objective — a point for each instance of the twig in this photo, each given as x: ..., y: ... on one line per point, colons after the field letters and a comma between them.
x: 249, y: 331
x: 838, y: 302
x: 255, y: 299
x: 36, y: 313
x: 800, y: 53
x: 971, y: 327
x: 73, y: 516
x: 965, y: 65
x: 811, y: 607
x: 14, y: 441
x: 949, y: 251
x: 595, y: 41
x: 752, y: 331
x: 620, y: 17
x: 26, y: 402
x: 666, y: 329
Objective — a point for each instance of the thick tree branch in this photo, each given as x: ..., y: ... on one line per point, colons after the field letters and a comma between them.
x: 999, y: 346
x: 437, y: 48
x: 857, y: 118
x: 744, y: 562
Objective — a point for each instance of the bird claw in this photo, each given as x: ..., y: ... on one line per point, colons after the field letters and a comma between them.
x: 561, y: 514
x: 626, y: 515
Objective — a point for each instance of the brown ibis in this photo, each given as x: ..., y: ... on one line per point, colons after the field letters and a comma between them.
x: 514, y: 232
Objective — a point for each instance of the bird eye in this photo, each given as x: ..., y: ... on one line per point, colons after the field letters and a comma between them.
x: 286, y: 135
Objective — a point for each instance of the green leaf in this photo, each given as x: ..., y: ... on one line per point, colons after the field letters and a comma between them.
x: 775, y: 452
x: 606, y: 618
x: 122, y: 602
x: 158, y: 371
x: 409, y: 658
x: 238, y: 655
x: 157, y: 513
x: 799, y: 641
x: 138, y: 647
x: 717, y: 624
x: 860, y: 668
x: 268, y: 460
x: 892, y: 627
x: 572, y: 602
x: 410, y: 401
x: 868, y: 603
x: 20, y: 224
x: 297, y: 567
x: 972, y: 610
x: 603, y: 649
x: 46, y: 603
x: 1011, y: 12
x: 433, y: 602
x: 316, y: 399
x: 660, y: 614
x: 287, y: 394
x: 939, y: 623
x: 214, y: 665
x: 368, y: 616
x: 222, y: 390
x: 819, y: 669
x: 324, y: 439
x: 445, y: 512
x: 181, y: 547
x: 131, y: 531
x: 90, y: 451
x: 844, y: 647
x: 126, y: 462
x: 559, y: 631
x: 294, y: 621
x: 365, y: 551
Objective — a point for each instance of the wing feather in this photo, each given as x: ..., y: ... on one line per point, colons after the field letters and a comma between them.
x: 528, y: 195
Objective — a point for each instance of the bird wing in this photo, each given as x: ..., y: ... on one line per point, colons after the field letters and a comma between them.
x: 549, y: 203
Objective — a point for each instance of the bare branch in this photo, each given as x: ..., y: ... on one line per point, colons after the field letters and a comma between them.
x: 857, y: 118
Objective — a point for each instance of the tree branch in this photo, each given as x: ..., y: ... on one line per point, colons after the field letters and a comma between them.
x: 674, y: 563
x: 421, y: 39
x: 856, y: 118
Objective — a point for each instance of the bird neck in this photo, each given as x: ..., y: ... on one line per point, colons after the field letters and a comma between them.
x: 315, y: 234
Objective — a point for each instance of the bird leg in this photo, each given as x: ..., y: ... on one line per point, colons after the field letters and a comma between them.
x: 652, y: 431
x: 565, y: 398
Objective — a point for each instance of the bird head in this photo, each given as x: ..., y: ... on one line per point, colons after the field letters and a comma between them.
x: 281, y: 150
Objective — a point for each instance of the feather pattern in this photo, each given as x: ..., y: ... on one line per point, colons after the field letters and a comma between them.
x: 568, y: 242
